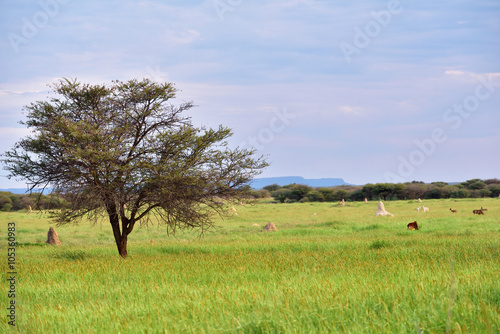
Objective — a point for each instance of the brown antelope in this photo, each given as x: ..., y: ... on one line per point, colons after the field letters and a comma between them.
x: 412, y: 226
x: 478, y: 212
x: 454, y: 211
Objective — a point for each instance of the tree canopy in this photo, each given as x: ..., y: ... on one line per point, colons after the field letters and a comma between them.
x: 123, y: 150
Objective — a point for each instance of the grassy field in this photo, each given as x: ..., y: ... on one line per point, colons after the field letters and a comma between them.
x: 327, y: 269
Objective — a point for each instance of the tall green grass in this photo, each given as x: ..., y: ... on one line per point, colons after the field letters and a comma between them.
x: 328, y: 269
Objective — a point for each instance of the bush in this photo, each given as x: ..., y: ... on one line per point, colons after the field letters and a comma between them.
x: 484, y: 193
x: 281, y: 194
x: 299, y: 191
x: 460, y: 193
x: 271, y: 187
x: 357, y: 195
x: 261, y: 193
x: 4, y: 199
x: 494, y: 190
x: 315, y: 196
x: 328, y: 194
x: 340, y: 194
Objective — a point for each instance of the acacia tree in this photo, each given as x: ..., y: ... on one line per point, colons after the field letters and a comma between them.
x: 123, y: 151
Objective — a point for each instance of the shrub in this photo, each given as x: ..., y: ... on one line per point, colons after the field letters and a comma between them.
x: 494, y: 190
x: 315, y: 196
x: 328, y: 194
x: 460, y: 193
x: 281, y: 194
x: 271, y: 187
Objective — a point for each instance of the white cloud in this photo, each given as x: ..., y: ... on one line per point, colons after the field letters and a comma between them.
x: 454, y: 72
x: 471, y: 74
x: 351, y: 110
x: 181, y: 37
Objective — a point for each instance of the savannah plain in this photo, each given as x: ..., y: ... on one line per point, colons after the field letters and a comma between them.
x: 328, y: 269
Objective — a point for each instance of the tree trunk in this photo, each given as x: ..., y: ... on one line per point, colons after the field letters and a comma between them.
x: 122, y: 246
x: 121, y: 240
x: 120, y: 236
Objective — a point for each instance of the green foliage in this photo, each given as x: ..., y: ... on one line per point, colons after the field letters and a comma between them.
x: 460, y: 193
x: 299, y: 191
x: 5, y: 199
x: 474, y: 184
x: 36, y: 201
x: 293, y: 193
x: 484, y: 193
x: 315, y: 196
x: 494, y: 190
x: 439, y: 184
x: 6, y: 207
x: 272, y: 187
x: 328, y: 194
x: 281, y: 194
x: 389, y: 191
x: 256, y: 194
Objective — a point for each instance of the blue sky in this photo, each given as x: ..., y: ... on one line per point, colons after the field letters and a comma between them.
x: 368, y: 91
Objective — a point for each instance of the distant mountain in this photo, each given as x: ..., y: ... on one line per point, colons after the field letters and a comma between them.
x: 260, y: 183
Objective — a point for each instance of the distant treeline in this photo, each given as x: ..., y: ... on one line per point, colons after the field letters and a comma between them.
x: 475, y: 188
x: 291, y: 193
x: 35, y: 201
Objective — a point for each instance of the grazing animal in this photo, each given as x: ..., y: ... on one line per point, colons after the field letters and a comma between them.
x: 412, y: 226
x: 478, y: 212
x: 484, y: 209
x: 454, y: 211
x: 425, y: 208
x: 418, y: 209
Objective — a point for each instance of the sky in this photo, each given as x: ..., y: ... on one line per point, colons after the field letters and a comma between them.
x: 368, y: 91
